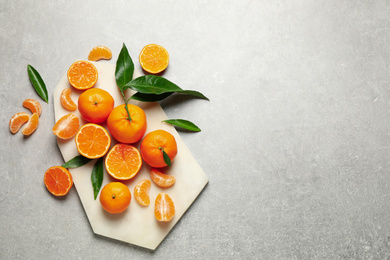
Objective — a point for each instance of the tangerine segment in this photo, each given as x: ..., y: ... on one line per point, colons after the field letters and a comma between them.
x: 82, y: 75
x: 141, y: 192
x: 164, y: 208
x: 115, y: 197
x: 67, y: 126
x: 123, y: 161
x: 58, y: 180
x: 17, y: 120
x: 92, y: 141
x: 161, y: 179
x: 153, y: 145
x: 154, y: 58
x: 95, y: 105
x: 33, y: 105
x: 100, y: 53
x: 124, y: 130
x: 31, y: 125
x: 66, y: 100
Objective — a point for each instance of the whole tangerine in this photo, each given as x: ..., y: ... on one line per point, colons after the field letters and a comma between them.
x: 95, y: 105
x: 154, y: 144
x: 115, y: 197
x: 126, y: 130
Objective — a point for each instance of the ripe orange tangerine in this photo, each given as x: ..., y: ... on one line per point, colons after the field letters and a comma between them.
x: 153, y: 145
x: 31, y: 125
x: 95, y: 105
x: 141, y: 192
x: 17, y: 120
x: 67, y: 126
x: 66, y: 100
x: 58, y: 180
x: 164, y: 208
x: 123, y: 161
x: 33, y: 105
x: 154, y: 58
x: 82, y: 75
x: 99, y: 53
x: 161, y: 179
x: 125, y: 130
x: 92, y: 141
x: 115, y: 197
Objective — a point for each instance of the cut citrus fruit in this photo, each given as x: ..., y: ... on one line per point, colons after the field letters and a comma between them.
x: 100, y: 53
x: 82, y: 75
x: 17, y: 121
x: 31, y: 125
x: 154, y: 58
x: 33, y: 105
x: 115, y: 197
x: 92, y: 141
x: 58, y: 180
x: 155, y: 144
x: 161, y: 179
x: 67, y: 126
x: 164, y: 208
x: 141, y: 192
x: 66, y: 100
x: 123, y: 161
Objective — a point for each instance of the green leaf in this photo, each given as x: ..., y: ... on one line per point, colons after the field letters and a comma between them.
x: 124, y: 68
x: 77, y: 161
x: 155, y: 85
x: 38, y: 83
x: 150, y: 97
x: 97, y: 176
x: 167, y: 160
x: 183, y: 124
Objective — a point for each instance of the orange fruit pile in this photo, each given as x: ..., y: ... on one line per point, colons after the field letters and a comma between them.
x: 154, y: 58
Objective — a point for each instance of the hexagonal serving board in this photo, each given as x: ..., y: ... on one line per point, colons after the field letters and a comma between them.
x: 137, y: 225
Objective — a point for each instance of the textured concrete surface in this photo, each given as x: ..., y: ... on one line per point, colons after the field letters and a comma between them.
x: 295, y: 139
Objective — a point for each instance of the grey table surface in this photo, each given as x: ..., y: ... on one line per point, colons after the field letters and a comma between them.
x: 295, y: 140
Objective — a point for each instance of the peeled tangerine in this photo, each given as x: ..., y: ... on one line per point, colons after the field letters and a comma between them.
x: 164, y: 209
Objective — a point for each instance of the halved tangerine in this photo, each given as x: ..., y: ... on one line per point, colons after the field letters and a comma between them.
x: 17, y: 120
x: 164, y: 208
x: 100, y: 53
x: 154, y: 58
x: 58, y: 180
x: 66, y: 100
x: 141, y: 192
x: 161, y: 179
x: 33, y: 105
x: 92, y: 141
x: 31, y: 125
x: 67, y: 126
x: 82, y: 75
x: 123, y: 161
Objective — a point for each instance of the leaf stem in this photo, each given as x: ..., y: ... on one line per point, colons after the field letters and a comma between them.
x: 126, y: 107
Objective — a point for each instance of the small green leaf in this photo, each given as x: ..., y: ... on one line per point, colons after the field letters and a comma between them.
x: 155, y: 85
x: 97, y: 177
x: 77, y: 161
x: 37, y: 83
x: 183, y: 124
x: 124, y: 68
x: 167, y: 160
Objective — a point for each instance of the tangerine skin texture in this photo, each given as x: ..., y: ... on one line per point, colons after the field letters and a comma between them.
x: 115, y: 197
x: 152, y: 144
x: 123, y: 130
x: 95, y: 105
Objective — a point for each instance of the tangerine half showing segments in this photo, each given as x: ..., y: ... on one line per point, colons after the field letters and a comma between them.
x: 58, y: 180
x: 115, y: 197
x: 153, y: 145
x: 123, y: 161
x: 82, y: 75
x: 154, y: 58
x: 125, y: 130
x: 92, y: 141
x: 95, y: 105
